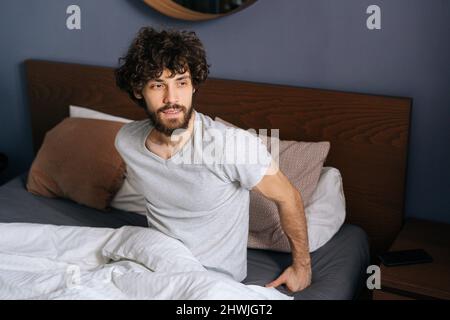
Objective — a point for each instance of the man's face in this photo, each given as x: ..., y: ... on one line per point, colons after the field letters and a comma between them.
x: 169, y: 101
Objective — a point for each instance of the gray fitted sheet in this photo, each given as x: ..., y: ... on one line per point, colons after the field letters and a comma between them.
x: 338, y: 267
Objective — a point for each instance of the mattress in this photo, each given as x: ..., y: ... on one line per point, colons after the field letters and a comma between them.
x: 338, y: 267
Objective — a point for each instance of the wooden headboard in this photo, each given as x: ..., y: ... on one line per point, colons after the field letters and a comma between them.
x: 368, y: 133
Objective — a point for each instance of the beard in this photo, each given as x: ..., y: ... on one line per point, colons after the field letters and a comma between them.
x: 168, y: 126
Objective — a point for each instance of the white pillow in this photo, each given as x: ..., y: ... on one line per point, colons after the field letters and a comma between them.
x: 80, y: 112
x: 325, y: 213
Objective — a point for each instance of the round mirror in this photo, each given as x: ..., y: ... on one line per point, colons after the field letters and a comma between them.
x: 195, y: 10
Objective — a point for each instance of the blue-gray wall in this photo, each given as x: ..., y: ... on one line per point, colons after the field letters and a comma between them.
x: 320, y: 43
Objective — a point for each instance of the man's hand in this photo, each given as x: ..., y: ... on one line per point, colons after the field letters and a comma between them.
x: 296, y: 278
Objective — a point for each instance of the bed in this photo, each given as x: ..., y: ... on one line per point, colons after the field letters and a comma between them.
x: 368, y: 135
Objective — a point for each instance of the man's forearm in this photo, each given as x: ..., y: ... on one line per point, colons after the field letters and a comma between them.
x: 293, y: 222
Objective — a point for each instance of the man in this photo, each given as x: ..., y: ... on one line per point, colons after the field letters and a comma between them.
x: 204, y: 205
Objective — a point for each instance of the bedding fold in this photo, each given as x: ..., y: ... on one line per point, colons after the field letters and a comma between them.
x: 40, y: 261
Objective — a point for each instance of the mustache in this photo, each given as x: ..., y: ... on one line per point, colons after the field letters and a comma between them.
x: 170, y: 106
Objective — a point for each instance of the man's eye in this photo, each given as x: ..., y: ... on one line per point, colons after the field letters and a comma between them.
x: 182, y: 84
x: 156, y: 86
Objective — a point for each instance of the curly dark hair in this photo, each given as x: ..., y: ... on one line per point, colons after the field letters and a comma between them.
x: 151, y: 52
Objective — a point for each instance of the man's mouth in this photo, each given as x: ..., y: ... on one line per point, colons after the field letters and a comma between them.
x: 172, y: 110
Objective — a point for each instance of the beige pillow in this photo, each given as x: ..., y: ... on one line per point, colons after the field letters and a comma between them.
x: 78, y: 161
x: 302, y: 163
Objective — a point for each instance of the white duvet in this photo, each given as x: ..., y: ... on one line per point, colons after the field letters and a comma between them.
x: 60, y: 262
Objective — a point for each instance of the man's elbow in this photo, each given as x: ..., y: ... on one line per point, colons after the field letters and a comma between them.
x: 292, y: 197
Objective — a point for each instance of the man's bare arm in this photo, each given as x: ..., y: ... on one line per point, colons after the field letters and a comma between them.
x: 276, y: 187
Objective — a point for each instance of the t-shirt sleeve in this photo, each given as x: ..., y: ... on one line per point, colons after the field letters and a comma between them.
x: 118, y: 142
x: 245, y: 158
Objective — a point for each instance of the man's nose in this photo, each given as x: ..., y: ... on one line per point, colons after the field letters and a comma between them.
x: 171, y: 96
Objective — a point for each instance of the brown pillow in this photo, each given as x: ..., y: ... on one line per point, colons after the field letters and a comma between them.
x: 78, y: 161
x: 302, y: 163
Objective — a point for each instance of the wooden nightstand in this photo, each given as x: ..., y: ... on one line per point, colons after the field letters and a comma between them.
x: 420, y: 281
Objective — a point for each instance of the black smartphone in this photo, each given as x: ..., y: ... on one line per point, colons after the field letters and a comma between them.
x: 405, y: 257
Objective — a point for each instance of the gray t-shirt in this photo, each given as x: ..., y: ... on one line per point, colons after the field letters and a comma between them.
x: 200, y: 195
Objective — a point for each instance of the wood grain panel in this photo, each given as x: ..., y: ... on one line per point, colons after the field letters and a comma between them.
x: 368, y: 133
